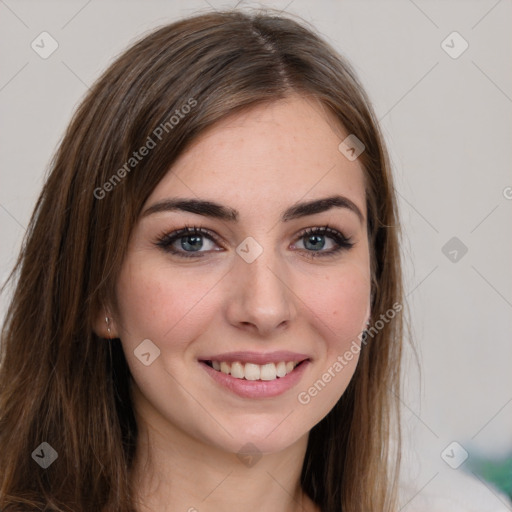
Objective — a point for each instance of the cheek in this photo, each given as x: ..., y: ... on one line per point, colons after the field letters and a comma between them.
x: 159, y: 306
x: 340, y: 304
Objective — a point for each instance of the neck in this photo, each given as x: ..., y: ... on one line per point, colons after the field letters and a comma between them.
x: 173, y: 471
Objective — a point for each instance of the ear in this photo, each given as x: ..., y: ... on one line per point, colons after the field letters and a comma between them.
x: 104, y: 325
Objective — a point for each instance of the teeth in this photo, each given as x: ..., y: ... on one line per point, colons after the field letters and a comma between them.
x: 237, y: 370
x: 268, y: 372
x: 281, y: 369
x: 250, y: 371
x: 224, y: 367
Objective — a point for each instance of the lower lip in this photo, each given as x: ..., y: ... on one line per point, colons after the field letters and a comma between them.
x: 258, y: 388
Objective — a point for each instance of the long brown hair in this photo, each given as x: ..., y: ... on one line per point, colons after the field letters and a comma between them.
x: 63, y: 385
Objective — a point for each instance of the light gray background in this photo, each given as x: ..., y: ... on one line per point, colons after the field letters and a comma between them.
x: 448, y: 126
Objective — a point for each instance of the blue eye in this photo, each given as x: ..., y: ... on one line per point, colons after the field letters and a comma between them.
x: 189, y: 242
x: 315, y: 241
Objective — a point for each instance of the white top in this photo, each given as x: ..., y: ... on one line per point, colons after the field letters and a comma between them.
x: 453, y: 491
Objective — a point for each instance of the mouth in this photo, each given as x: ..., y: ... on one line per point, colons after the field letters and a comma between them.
x: 256, y: 375
x: 254, y: 372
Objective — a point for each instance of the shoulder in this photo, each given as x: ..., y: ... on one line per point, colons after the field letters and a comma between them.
x: 453, y: 491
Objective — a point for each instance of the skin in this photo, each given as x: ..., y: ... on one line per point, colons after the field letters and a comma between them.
x: 259, y: 162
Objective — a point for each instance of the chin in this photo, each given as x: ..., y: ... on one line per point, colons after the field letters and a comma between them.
x: 261, y: 435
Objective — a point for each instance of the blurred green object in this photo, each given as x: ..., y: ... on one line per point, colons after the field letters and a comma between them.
x: 496, y: 472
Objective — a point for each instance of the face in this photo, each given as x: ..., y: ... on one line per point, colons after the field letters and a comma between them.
x: 238, y: 330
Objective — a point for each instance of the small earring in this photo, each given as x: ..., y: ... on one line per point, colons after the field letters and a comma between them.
x: 107, y: 321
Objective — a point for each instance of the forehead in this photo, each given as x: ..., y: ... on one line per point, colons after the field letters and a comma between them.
x: 269, y: 155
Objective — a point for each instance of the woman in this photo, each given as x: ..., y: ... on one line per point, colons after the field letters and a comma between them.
x: 208, y: 309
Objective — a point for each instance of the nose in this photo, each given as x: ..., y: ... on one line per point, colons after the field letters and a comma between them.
x: 261, y: 300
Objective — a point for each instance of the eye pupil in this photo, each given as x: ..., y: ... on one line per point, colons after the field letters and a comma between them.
x: 193, y: 241
x: 317, y: 242
x: 190, y: 242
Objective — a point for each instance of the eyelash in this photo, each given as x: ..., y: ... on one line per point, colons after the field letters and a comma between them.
x: 165, y: 241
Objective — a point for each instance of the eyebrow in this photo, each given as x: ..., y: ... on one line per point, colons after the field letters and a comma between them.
x: 225, y: 213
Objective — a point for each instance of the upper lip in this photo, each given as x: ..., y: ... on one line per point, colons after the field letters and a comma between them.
x: 257, y: 357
